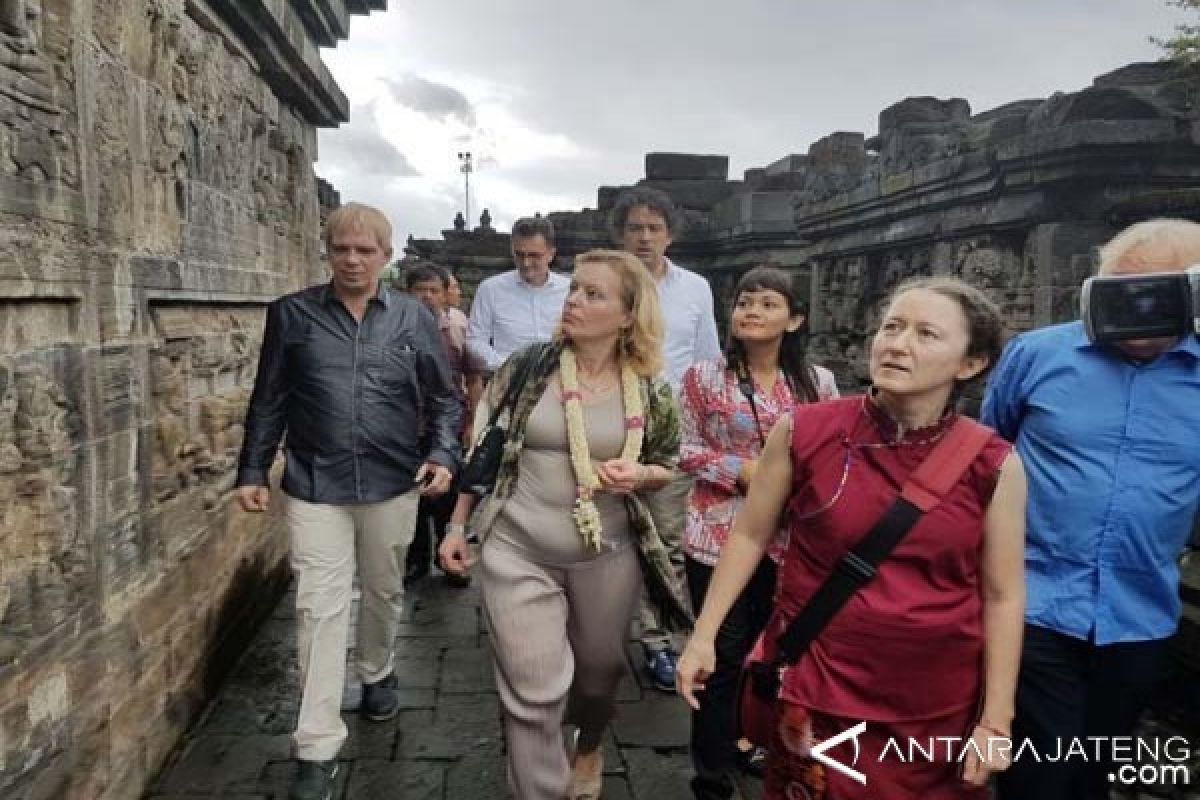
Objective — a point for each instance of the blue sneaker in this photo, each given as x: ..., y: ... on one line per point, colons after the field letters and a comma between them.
x: 660, y: 667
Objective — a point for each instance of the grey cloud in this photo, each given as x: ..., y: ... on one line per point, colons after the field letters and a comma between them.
x: 437, y: 100
x: 756, y: 80
x: 361, y: 146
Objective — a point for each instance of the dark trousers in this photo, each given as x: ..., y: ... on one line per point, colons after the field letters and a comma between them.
x: 433, y: 514
x: 1070, y: 688
x: 714, y: 733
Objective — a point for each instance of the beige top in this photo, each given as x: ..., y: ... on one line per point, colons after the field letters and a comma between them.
x: 537, y: 518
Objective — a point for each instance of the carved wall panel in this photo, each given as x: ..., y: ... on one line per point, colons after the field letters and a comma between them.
x: 201, y: 372
x: 45, y: 556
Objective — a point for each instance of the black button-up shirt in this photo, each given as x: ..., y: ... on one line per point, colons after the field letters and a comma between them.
x: 353, y: 397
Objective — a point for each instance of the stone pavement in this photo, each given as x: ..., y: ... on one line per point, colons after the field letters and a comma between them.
x: 446, y: 743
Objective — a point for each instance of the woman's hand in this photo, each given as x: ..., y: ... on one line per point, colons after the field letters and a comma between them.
x: 996, y: 748
x: 454, y: 554
x: 698, y: 661
x: 620, y: 475
x: 746, y: 473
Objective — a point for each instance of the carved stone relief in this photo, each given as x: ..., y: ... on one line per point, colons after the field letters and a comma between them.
x: 44, y: 561
x: 201, y: 372
x: 26, y: 74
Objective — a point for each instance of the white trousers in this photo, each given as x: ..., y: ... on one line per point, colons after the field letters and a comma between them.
x: 327, y: 542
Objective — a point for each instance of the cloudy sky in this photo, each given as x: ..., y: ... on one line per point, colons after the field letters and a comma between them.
x: 557, y: 98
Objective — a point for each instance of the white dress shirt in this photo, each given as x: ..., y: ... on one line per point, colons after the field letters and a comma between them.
x: 691, y: 328
x: 508, y: 314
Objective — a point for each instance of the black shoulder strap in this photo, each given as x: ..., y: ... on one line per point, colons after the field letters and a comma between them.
x: 517, y: 379
x: 925, y: 488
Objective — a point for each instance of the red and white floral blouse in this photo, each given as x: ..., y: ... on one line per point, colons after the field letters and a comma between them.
x: 718, y: 435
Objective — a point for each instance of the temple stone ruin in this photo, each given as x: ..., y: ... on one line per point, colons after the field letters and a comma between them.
x: 156, y: 191
x: 1013, y: 199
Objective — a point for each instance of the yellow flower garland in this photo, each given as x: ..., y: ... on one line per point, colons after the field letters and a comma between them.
x: 585, y: 513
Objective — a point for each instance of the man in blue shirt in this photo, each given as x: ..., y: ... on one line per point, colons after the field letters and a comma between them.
x: 1110, y: 439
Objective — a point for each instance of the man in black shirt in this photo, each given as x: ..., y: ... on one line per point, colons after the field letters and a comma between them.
x: 346, y: 370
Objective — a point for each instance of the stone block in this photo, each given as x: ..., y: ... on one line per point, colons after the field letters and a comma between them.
x: 373, y: 779
x: 686, y: 166
x: 478, y: 775
x: 368, y: 740
x: 216, y: 763
x: 467, y: 671
x: 842, y: 149
x: 695, y: 195
x: 441, y: 620
x: 417, y: 673
x: 659, y: 721
x: 791, y: 163
x: 662, y: 777
x: 606, y: 196
x: 462, y: 724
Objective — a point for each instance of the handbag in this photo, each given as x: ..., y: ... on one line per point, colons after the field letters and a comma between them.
x: 757, y: 704
x: 479, y: 475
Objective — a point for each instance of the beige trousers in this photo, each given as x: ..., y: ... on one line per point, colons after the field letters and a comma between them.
x: 558, y: 635
x: 668, y: 507
x: 327, y: 542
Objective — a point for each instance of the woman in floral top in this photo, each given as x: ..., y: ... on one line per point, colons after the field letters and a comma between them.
x: 723, y: 434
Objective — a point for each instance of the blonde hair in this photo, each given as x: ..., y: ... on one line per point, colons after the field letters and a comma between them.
x: 1181, y: 236
x: 642, y: 342
x: 355, y: 217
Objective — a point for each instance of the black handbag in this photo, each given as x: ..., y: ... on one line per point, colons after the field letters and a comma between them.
x: 479, y: 476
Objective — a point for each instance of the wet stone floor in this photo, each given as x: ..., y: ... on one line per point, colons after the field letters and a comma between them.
x: 445, y: 743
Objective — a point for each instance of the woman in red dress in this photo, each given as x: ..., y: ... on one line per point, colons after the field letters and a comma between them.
x: 927, y: 653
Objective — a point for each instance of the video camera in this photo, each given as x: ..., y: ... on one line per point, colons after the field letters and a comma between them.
x: 1119, y: 307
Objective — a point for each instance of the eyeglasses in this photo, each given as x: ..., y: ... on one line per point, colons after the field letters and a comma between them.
x: 650, y: 227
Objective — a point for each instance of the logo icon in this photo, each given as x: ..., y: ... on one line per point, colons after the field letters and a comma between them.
x: 818, y: 752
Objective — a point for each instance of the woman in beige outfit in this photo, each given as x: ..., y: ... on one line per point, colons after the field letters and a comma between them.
x: 568, y: 543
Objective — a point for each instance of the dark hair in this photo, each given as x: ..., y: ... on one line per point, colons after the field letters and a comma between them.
x: 526, y: 227
x: 653, y: 199
x: 419, y: 273
x: 986, y: 331
x: 793, y: 350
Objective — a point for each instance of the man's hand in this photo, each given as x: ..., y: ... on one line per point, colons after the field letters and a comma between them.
x: 454, y: 555
x: 254, y: 498
x: 434, y: 479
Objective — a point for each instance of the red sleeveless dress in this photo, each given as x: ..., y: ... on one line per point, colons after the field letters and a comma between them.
x: 905, y: 654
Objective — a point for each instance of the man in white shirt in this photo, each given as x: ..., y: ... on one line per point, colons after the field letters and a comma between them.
x: 644, y: 222
x: 522, y: 306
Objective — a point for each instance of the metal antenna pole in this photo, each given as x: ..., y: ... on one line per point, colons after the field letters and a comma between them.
x: 464, y: 166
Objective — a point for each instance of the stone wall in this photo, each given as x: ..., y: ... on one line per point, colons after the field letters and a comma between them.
x: 156, y: 190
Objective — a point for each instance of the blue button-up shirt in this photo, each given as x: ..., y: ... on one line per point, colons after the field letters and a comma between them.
x: 1112, y: 453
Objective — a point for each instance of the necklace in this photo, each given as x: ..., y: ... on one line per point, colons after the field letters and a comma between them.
x: 939, y: 430
x: 593, y: 387
x: 585, y: 513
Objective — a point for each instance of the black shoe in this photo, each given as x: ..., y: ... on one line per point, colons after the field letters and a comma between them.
x: 314, y: 780
x: 379, y: 700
